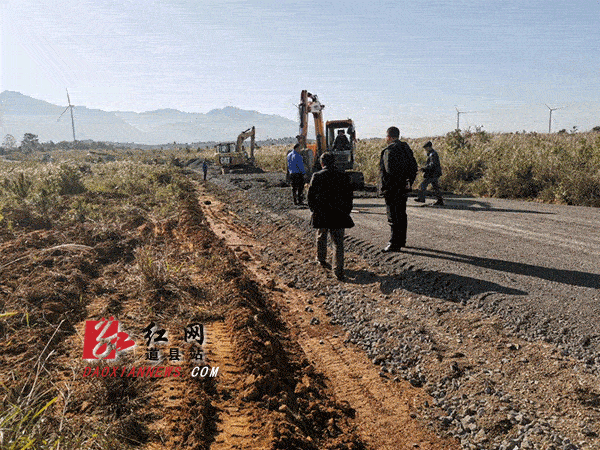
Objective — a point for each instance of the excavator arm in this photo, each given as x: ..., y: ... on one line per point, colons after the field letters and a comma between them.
x: 325, y: 134
x: 309, y: 104
x: 249, y: 133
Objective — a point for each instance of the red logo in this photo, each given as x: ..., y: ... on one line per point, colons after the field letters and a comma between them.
x: 103, y: 339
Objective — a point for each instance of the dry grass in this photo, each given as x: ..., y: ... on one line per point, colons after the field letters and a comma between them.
x: 554, y: 168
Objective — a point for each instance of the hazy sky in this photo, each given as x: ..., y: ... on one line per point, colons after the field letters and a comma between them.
x: 382, y: 63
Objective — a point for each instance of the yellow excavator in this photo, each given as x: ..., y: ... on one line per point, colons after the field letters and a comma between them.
x: 326, y: 135
x: 232, y: 156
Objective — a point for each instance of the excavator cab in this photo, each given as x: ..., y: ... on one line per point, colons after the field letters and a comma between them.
x: 325, y: 136
x: 344, y: 154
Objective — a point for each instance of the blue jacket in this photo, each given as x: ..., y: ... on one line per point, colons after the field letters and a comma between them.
x: 295, y: 162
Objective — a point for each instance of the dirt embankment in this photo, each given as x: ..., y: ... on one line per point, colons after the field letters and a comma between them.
x: 152, y: 274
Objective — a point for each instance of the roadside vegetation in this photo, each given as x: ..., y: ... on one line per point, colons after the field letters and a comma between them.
x: 554, y: 168
x: 87, y: 236
x: 61, y: 227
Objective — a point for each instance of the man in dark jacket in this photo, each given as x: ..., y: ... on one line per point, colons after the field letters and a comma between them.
x: 431, y: 175
x: 341, y: 142
x: 330, y: 201
x: 398, y: 170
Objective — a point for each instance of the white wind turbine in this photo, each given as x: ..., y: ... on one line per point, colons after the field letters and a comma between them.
x: 550, y: 120
x: 72, y: 119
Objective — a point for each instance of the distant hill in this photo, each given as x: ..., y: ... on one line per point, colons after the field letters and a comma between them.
x: 20, y: 114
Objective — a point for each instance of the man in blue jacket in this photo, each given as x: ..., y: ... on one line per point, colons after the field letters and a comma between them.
x: 330, y: 201
x: 295, y: 165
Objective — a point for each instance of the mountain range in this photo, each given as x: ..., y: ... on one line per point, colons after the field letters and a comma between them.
x: 20, y: 114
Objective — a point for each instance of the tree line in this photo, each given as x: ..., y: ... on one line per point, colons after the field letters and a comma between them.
x: 30, y: 143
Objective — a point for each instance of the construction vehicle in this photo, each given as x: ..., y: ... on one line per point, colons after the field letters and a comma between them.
x: 232, y: 156
x: 325, y: 137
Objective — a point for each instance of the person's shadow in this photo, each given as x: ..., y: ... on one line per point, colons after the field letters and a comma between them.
x: 476, y: 205
x: 446, y: 286
x: 569, y: 277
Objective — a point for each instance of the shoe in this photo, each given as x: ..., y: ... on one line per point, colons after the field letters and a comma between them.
x: 419, y: 200
x: 392, y: 248
x: 325, y: 265
x: 439, y: 203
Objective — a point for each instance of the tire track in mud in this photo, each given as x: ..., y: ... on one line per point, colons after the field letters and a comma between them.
x: 384, y: 411
x: 238, y: 425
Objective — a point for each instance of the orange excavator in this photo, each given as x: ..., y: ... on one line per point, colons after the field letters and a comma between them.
x: 326, y: 140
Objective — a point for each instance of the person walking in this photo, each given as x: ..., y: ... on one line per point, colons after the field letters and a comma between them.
x: 204, y: 169
x: 398, y: 170
x: 330, y: 202
x: 296, y: 171
x: 431, y: 175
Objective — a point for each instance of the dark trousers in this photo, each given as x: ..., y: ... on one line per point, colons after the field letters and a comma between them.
x: 434, y: 184
x: 297, y: 181
x: 398, y: 220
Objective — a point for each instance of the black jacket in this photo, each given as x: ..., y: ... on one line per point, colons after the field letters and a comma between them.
x: 397, y: 167
x: 341, y: 143
x: 330, y: 199
x: 433, y: 168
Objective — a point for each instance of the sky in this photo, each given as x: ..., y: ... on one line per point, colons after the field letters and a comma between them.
x: 412, y: 64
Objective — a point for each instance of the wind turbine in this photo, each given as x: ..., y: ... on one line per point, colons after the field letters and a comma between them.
x: 72, y: 119
x: 458, y: 113
x: 550, y: 120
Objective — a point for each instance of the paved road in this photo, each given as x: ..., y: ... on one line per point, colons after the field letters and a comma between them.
x: 536, y: 257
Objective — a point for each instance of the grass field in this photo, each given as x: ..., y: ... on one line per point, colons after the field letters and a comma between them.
x: 554, y: 168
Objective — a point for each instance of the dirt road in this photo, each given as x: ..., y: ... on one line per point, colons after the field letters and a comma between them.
x: 501, y: 252
x: 473, y: 311
x: 385, y: 411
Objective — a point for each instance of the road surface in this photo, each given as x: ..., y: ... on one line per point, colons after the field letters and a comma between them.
x: 530, y: 258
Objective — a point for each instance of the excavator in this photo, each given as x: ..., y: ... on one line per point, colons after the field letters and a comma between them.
x: 232, y: 156
x: 325, y: 139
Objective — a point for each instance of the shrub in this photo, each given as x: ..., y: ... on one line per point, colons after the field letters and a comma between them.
x: 68, y: 181
x: 18, y: 185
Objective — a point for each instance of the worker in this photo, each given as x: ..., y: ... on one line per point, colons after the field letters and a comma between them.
x: 432, y: 171
x: 341, y: 142
x: 330, y: 201
x: 204, y: 169
x: 296, y: 171
x: 398, y: 170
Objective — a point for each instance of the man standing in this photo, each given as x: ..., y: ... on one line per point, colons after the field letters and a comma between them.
x: 204, y: 169
x: 330, y: 201
x: 296, y: 171
x: 431, y: 175
x: 398, y: 170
